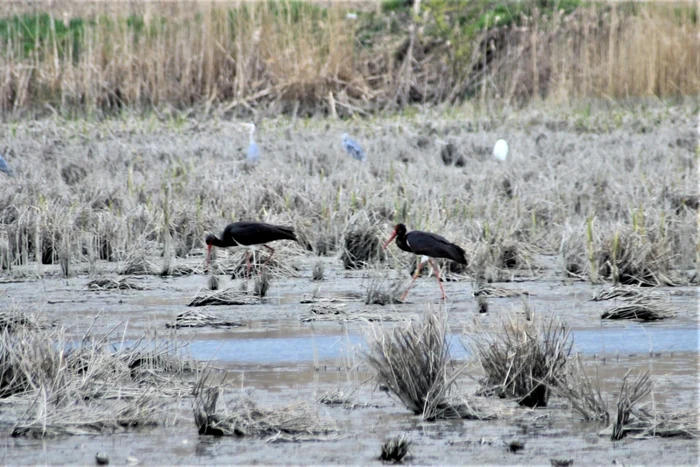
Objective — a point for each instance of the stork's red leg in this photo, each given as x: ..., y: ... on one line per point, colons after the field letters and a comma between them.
x: 415, y: 276
x: 247, y: 264
x: 437, y: 274
x: 272, y: 252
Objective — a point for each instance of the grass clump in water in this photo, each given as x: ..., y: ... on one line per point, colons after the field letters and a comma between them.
x: 522, y: 359
x: 414, y: 363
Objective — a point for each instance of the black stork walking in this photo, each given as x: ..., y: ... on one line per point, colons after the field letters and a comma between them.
x: 427, y: 245
x: 249, y: 233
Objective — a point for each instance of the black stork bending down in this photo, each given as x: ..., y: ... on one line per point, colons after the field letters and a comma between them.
x: 428, y: 245
x: 249, y: 233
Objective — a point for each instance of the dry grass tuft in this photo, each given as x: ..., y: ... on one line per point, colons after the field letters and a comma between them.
x: 630, y: 258
x: 635, y: 419
x: 413, y: 362
x: 641, y: 309
x: 91, y: 388
x: 110, y: 283
x: 242, y: 417
x: 339, y: 397
x: 523, y: 359
x: 382, y: 292
x: 360, y: 248
x: 15, y: 320
x: 227, y: 296
x: 583, y: 393
x: 200, y: 319
x: 395, y: 449
x: 630, y: 396
x: 138, y: 264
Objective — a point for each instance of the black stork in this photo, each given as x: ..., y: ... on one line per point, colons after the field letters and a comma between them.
x: 427, y: 245
x: 249, y: 233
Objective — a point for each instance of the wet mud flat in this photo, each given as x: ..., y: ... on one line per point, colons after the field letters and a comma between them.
x: 112, y: 248
x: 279, y: 359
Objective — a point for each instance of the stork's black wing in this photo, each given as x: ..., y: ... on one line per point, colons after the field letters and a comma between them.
x: 434, y: 246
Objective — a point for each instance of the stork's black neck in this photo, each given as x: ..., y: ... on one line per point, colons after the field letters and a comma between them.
x: 216, y: 241
x: 401, y: 241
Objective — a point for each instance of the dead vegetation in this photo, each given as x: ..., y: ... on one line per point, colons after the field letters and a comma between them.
x: 361, y: 247
x: 200, y: 319
x: 110, y: 283
x: 622, y: 292
x: 640, y: 309
x: 414, y: 363
x: 227, y: 296
x: 242, y: 417
x: 582, y: 392
x: 395, y: 449
x: 89, y: 387
x: 382, y: 291
x: 522, y: 358
x: 338, y: 312
x: 634, y: 418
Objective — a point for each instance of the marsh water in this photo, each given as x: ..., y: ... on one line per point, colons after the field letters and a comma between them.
x: 281, y: 360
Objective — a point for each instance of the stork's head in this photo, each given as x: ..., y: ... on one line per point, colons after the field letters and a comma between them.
x: 250, y: 127
x: 399, y: 231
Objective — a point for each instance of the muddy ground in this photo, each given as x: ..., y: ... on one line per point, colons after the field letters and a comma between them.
x: 100, y: 193
x: 283, y: 360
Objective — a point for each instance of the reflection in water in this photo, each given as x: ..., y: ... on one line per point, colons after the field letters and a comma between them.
x: 630, y: 340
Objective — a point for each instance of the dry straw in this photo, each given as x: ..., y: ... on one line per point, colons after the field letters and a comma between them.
x: 522, y: 358
x: 413, y: 361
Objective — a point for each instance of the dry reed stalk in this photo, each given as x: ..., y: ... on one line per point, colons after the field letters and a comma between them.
x: 523, y: 359
x: 337, y: 312
x: 488, y: 291
x: 630, y: 396
x: 583, y: 393
x: 361, y: 247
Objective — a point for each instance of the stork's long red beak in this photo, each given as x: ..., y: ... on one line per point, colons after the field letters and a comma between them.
x: 393, y: 236
x: 208, y: 256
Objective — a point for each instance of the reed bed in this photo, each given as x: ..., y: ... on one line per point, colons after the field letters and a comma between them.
x: 244, y: 57
x: 522, y: 358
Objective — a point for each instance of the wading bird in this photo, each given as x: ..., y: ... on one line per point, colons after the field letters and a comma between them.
x: 428, y: 245
x: 353, y: 148
x: 4, y: 167
x: 500, y: 150
x: 247, y: 234
x: 253, y: 154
